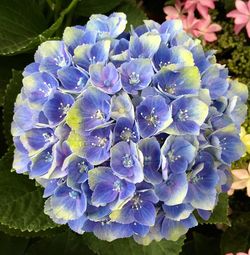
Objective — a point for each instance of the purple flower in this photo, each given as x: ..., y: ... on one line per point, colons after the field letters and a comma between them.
x: 126, y: 130
x: 153, y: 115
x: 105, y: 77
x: 72, y: 79
x: 55, y: 109
x: 139, y: 210
x: 152, y: 159
x: 189, y: 113
x: 126, y: 162
x: 136, y: 75
x: 108, y: 189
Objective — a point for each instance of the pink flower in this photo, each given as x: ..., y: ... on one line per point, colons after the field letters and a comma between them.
x: 174, y: 12
x: 241, y: 16
x: 201, y: 5
x: 189, y: 22
x: 241, y: 179
x: 239, y: 253
x: 205, y: 29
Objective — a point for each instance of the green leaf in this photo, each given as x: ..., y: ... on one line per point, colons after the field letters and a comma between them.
x: 12, y: 90
x: 220, y: 212
x: 135, y: 14
x: 66, y: 243
x: 21, y: 202
x: 7, y: 63
x: 20, y: 22
x: 229, y: 5
x: 237, y: 238
x: 88, y: 7
x: 129, y: 246
x: 23, y: 26
x: 10, y: 245
x: 27, y: 234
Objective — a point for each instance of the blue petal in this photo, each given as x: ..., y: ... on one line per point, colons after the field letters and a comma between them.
x: 151, y: 151
x: 57, y: 107
x: 144, y: 46
x: 38, y: 87
x: 86, y: 54
x: 153, y: 115
x: 121, y: 106
x: 77, y: 35
x: 139, y: 229
x: 42, y: 163
x: 106, y: 27
x: 125, y: 130
x: 105, y: 78
x: 146, y: 214
x: 173, y: 230
x: 177, y: 212
x: 68, y: 204
x: 174, y: 190
x: 136, y: 75
x: 76, y: 225
x: 72, y: 79
x: 112, y: 231
x: 103, y: 194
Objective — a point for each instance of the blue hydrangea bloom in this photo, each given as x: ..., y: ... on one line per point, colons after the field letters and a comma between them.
x: 128, y: 133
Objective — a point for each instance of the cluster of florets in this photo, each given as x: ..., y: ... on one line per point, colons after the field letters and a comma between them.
x: 128, y: 133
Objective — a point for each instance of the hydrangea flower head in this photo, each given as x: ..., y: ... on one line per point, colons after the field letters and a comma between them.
x: 128, y: 133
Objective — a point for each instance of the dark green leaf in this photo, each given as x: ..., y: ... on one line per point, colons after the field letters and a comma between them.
x: 229, y: 5
x: 135, y: 14
x: 88, y: 7
x: 23, y: 26
x: 129, y: 246
x: 27, y: 234
x: 66, y: 243
x: 237, y: 238
x: 20, y: 22
x: 12, y: 90
x: 10, y: 245
x: 7, y: 63
x: 21, y: 204
x: 220, y: 212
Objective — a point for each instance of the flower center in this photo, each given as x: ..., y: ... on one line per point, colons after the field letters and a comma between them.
x: 127, y: 161
x: 183, y: 115
x: 82, y: 167
x: 98, y: 115
x: 60, y: 61
x: 134, y: 78
x: 223, y: 143
x: 107, y: 83
x: 172, y: 157
x: 170, y: 89
x: 152, y: 118
x: 64, y: 109
x: 137, y: 202
x: 48, y: 157
x: 47, y: 137
x: 117, y: 186
x: 127, y: 134
x: 73, y: 194
x: 101, y: 142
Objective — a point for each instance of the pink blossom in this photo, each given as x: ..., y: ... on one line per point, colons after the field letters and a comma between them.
x: 201, y: 5
x: 174, y: 12
x: 239, y: 253
x: 189, y: 22
x: 206, y: 29
x: 241, y: 16
x: 241, y: 179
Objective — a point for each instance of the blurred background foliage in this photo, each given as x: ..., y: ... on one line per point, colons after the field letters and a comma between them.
x: 24, y: 229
